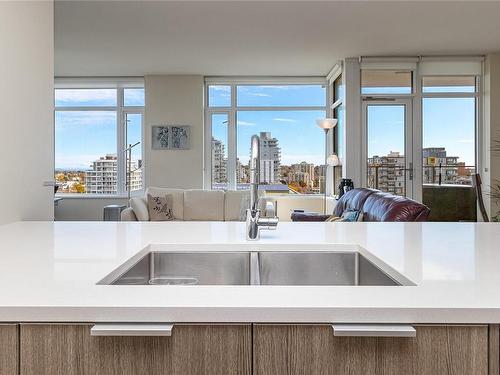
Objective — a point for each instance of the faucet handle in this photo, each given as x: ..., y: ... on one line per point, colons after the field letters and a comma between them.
x: 270, y: 208
x: 268, y: 223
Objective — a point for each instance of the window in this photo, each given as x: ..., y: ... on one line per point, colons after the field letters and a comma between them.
x: 93, y: 128
x: 449, y: 106
x: 386, y: 152
x: 453, y: 84
x: 219, y: 144
x: 219, y: 96
x: 449, y: 128
x: 280, y: 95
x: 85, y: 97
x: 338, y: 140
x: 382, y: 82
x: 284, y: 116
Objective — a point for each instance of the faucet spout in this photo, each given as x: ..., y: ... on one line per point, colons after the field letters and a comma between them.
x: 254, y: 221
x: 254, y: 171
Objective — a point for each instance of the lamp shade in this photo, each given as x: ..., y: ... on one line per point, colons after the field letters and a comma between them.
x: 326, y: 123
x: 333, y: 160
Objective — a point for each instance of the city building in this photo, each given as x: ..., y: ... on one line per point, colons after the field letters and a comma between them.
x: 387, y: 173
x: 270, y: 158
x: 439, y: 168
x: 219, y: 162
x: 302, y: 173
x: 102, y: 178
x: 241, y: 172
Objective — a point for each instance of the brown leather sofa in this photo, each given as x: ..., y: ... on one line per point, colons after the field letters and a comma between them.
x: 376, y: 206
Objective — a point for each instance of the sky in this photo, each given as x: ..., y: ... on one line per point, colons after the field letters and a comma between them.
x: 84, y: 136
x: 447, y: 122
x: 299, y: 137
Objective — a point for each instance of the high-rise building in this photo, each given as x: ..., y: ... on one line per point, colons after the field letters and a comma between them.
x: 387, y: 173
x: 219, y: 162
x: 102, y: 178
x: 302, y: 172
x: 438, y: 167
x: 241, y: 172
x: 270, y: 158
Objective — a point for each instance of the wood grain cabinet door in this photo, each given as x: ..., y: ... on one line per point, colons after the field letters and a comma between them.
x: 9, y: 353
x: 313, y: 350
x: 191, y: 350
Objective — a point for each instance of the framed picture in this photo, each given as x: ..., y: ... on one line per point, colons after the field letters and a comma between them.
x: 170, y: 137
x: 180, y: 137
x: 160, y: 138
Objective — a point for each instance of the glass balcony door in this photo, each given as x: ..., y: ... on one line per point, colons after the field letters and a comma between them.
x: 388, y: 157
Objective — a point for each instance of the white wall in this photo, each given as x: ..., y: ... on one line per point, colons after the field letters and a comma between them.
x: 174, y: 100
x: 26, y: 97
x: 492, y: 123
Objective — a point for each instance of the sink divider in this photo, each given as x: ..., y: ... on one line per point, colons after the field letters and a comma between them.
x: 254, y: 268
x: 151, y: 266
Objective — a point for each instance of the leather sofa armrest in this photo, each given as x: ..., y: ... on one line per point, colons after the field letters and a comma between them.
x: 308, y: 216
x: 128, y: 215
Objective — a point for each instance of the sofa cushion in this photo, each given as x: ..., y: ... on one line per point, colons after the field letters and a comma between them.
x: 352, y: 200
x: 140, y: 208
x: 235, y: 204
x: 388, y: 207
x: 177, y: 199
x: 204, y: 205
x: 128, y: 215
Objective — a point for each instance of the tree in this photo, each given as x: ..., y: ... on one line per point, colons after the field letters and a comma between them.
x: 61, y: 177
x: 79, y: 188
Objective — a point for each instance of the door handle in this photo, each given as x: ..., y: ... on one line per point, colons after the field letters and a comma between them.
x: 410, y: 170
x: 131, y: 329
x: 374, y: 330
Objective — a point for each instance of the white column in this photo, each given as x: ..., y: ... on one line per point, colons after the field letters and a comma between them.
x: 352, y: 134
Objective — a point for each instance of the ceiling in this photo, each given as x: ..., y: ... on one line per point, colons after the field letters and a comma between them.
x: 281, y: 38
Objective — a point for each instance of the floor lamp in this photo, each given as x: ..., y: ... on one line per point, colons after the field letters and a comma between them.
x: 326, y: 124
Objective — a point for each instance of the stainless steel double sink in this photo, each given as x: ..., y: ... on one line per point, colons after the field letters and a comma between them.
x: 255, y: 268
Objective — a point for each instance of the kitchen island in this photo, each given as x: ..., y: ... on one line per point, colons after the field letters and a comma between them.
x: 50, y: 298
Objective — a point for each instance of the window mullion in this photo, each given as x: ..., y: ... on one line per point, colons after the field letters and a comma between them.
x: 120, y: 142
x: 232, y: 136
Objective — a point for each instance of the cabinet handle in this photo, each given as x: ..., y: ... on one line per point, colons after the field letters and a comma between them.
x: 131, y: 329
x: 374, y: 330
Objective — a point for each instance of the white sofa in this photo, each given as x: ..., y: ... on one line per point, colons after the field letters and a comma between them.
x: 194, y: 205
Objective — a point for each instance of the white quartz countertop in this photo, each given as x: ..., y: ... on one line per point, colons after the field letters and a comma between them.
x: 49, y: 271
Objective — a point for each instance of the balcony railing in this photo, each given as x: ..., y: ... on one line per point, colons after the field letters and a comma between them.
x: 384, y: 176
x: 448, y: 174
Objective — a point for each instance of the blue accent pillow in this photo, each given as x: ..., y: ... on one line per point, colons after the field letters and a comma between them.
x: 352, y: 215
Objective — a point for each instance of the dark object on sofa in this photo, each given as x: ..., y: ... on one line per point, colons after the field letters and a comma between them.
x: 376, y: 206
x: 345, y: 185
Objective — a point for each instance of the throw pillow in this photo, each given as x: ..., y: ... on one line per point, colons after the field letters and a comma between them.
x: 347, y: 216
x: 160, y: 208
x: 352, y: 215
x: 333, y: 219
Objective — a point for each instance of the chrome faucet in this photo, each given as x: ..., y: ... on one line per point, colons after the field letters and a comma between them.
x: 254, y: 221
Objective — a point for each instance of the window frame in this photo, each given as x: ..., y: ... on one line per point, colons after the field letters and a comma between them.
x: 232, y: 111
x: 121, y: 126
x: 476, y: 95
x: 336, y: 103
